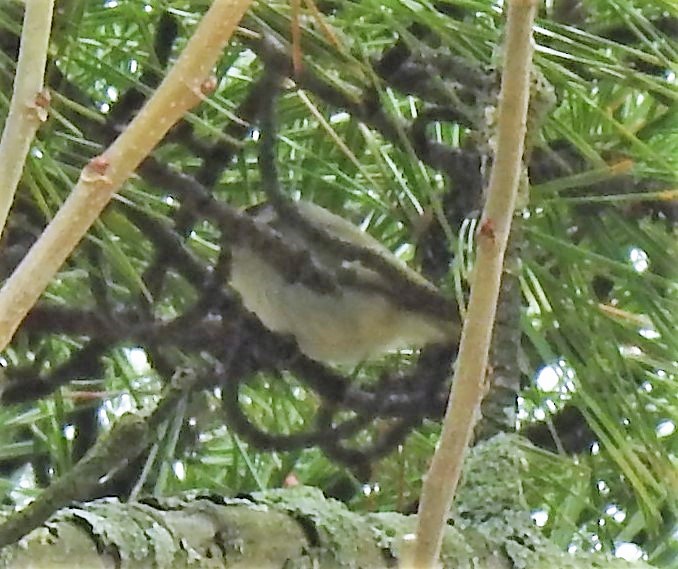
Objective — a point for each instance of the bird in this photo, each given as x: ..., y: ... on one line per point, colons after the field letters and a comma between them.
x: 355, y: 325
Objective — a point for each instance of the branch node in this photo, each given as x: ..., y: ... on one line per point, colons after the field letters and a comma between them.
x: 39, y: 107
x: 208, y: 86
x: 94, y: 174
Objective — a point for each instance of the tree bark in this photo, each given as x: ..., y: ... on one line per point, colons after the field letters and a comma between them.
x: 299, y: 527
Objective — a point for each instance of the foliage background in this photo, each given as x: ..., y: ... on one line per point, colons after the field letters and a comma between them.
x: 597, y: 252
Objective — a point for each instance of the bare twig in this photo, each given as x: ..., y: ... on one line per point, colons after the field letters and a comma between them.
x: 185, y: 85
x: 468, y: 386
x: 30, y: 100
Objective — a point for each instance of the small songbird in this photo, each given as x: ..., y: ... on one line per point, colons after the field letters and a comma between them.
x: 346, y: 327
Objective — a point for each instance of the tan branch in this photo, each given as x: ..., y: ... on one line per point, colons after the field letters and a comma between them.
x: 184, y: 86
x: 468, y: 387
x: 28, y: 107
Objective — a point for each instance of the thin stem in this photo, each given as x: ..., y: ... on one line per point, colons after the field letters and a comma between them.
x: 184, y: 86
x: 469, y: 382
x: 126, y: 441
x: 28, y: 108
